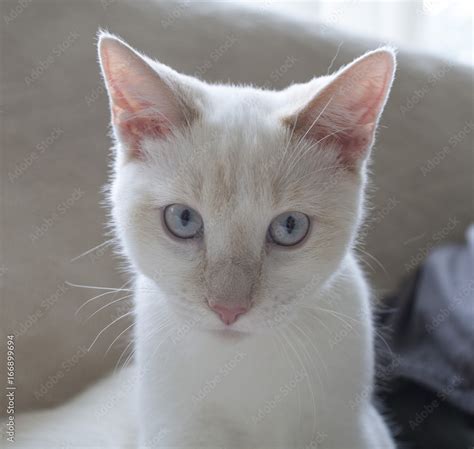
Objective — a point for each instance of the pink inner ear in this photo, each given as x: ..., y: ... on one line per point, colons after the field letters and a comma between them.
x: 355, y: 145
x: 346, y: 111
x: 134, y: 130
x: 346, y: 126
x: 134, y: 123
x: 134, y: 118
x: 142, y: 104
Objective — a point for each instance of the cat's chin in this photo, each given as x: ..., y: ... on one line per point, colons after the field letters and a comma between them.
x: 216, y: 327
x: 229, y: 333
x: 240, y: 329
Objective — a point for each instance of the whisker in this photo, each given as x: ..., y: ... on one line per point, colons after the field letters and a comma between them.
x: 107, y: 305
x: 99, y: 296
x: 312, y: 173
x: 316, y: 119
x: 316, y: 350
x: 301, y: 140
x: 368, y: 264
x: 304, y: 152
x: 117, y: 337
x: 107, y: 242
x: 164, y: 339
x: 320, y: 321
x: 334, y: 314
x: 335, y: 56
x: 129, y: 358
x: 290, y: 138
x: 300, y: 409
x: 374, y: 259
x: 311, y: 361
x: 122, y: 354
x: 94, y: 287
x: 92, y: 299
x: 307, y: 379
x: 107, y: 327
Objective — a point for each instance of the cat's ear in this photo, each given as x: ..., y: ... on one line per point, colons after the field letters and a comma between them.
x: 346, y: 111
x: 143, y: 102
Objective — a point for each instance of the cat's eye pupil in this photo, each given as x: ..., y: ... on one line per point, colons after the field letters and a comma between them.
x: 185, y: 215
x: 289, y: 228
x: 290, y: 224
x: 183, y: 221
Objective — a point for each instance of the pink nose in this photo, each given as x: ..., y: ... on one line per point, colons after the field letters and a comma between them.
x: 228, y: 315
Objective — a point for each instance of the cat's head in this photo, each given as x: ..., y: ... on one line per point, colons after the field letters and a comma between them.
x: 239, y: 203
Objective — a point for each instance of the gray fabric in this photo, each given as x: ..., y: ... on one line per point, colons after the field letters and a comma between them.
x: 54, y: 124
x: 433, y: 325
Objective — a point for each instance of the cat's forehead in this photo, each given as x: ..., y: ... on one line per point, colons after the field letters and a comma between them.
x: 240, y: 153
x: 227, y: 162
x: 238, y: 165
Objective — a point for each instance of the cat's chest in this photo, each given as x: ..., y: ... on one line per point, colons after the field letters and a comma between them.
x: 263, y: 391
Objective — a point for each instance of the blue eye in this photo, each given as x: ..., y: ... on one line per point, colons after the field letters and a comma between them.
x: 289, y: 228
x: 182, y: 221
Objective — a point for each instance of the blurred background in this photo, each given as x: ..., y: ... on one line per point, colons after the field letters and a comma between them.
x: 438, y: 27
x: 415, y: 245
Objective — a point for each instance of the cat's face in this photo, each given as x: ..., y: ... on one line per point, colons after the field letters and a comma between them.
x: 239, y: 203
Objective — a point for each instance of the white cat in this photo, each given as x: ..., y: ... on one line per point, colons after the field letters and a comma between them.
x: 238, y: 209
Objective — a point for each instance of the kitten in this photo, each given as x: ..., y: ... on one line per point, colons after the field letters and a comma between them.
x: 237, y: 209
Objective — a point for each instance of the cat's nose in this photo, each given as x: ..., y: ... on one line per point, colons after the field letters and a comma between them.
x: 228, y: 315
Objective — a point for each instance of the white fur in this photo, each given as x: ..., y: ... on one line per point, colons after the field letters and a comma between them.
x: 297, y: 370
